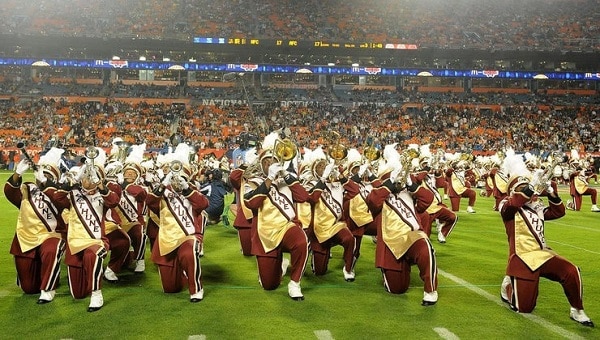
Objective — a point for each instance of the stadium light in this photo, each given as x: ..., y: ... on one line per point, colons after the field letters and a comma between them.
x: 142, y: 58
x: 116, y: 57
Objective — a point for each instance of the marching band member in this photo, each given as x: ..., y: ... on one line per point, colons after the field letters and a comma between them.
x: 579, y: 186
x: 401, y: 240
x: 437, y: 211
x: 499, y: 178
x: 118, y: 240
x: 529, y: 256
x: 38, y: 244
x: 87, y: 246
x: 243, y: 215
x: 132, y: 207
x: 177, y: 249
x: 459, y: 187
x: 275, y: 226
x: 356, y: 211
x: 328, y: 227
x: 152, y: 180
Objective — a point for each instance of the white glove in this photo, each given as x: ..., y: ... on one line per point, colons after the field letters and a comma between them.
x: 94, y: 177
x: 274, y: 170
x: 110, y: 167
x: 81, y: 172
x: 408, y: 180
x: 368, y: 172
x: 549, y: 188
x: 362, y: 169
x: 394, y: 175
x: 22, y: 166
x: 64, y: 178
x: 167, y: 180
x: 150, y: 177
x: 120, y: 178
x: 183, y: 184
x: 160, y: 173
x: 327, y: 171
x: 40, y: 176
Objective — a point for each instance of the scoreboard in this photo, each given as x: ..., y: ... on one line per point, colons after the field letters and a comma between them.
x: 293, y: 43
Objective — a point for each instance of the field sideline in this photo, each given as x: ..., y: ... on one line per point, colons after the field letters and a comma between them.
x: 471, y: 266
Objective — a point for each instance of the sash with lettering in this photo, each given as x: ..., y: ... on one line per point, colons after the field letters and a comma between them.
x: 176, y: 222
x: 275, y: 215
x: 328, y: 212
x: 530, y: 242
x: 37, y: 220
x: 458, y: 182
x: 359, y: 210
x: 85, y: 220
x: 127, y: 211
x: 429, y: 183
x: 501, y: 182
x: 400, y: 227
x: 581, y: 184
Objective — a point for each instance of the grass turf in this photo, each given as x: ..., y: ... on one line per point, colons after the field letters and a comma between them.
x: 471, y: 267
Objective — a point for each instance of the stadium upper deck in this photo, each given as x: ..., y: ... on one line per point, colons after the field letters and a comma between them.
x: 456, y: 33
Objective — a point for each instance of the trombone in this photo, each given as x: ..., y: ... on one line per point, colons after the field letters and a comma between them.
x: 21, y: 146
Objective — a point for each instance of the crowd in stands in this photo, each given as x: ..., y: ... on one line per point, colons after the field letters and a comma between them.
x: 570, y: 25
x: 459, y: 122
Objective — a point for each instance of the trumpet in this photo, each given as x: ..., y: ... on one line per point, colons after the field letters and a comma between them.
x: 21, y: 146
x: 90, y: 169
x: 176, y: 166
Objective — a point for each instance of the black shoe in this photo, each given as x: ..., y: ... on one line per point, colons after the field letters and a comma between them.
x: 93, y: 309
x: 298, y: 298
x: 43, y: 302
x: 195, y: 300
x: 428, y: 303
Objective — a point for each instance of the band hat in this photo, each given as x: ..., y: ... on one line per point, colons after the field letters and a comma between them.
x: 268, y: 145
x: 515, y: 168
x: 391, y: 156
x: 353, y: 159
x: 50, y: 162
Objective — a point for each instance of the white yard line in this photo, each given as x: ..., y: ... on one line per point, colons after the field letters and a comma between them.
x: 444, y: 333
x: 496, y: 299
x: 197, y: 337
x: 323, y: 334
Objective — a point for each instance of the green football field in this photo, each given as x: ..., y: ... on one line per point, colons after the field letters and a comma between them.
x: 471, y: 267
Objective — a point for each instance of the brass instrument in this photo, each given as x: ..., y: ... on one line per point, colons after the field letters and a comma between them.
x: 406, y: 158
x: 371, y: 153
x: 541, y: 178
x: 21, y: 146
x: 90, y: 170
x: 337, y: 151
x: 285, y: 150
x: 176, y: 167
x: 123, y: 150
x: 437, y: 159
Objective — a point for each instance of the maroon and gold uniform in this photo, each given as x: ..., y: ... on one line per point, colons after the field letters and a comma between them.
x: 176, y: 251
x: 529, y: 256
x: 38, y: 244
x: 243, y: 215
x: 87, y: 244
x: 276, y: 229
x: 401, y: 240
x: 579, y: 187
